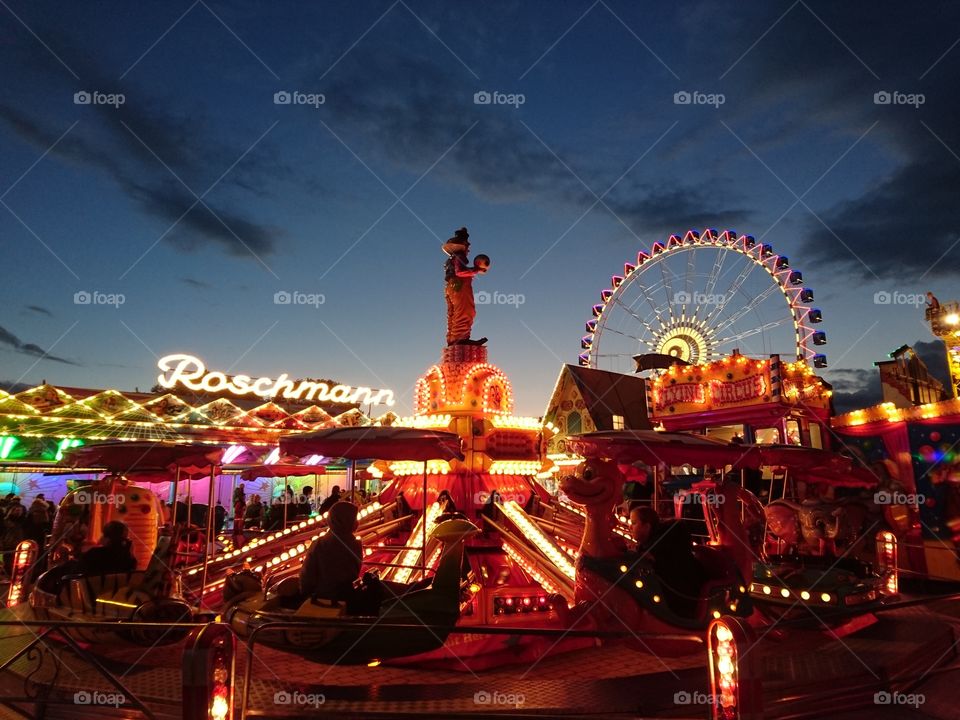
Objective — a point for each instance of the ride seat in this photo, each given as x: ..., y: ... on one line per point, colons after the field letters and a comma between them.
x: 80, y: 592
x: 720, y: 571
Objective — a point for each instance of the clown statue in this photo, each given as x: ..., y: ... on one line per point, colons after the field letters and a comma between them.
x: 458, y: 274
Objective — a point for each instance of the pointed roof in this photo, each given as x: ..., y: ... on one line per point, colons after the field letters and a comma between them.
x: 607, y: 393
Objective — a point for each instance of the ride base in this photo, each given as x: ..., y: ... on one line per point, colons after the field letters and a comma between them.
x: 804, y: 673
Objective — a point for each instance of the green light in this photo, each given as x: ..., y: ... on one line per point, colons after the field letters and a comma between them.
x: 6, y: 446
x: 66, y: 444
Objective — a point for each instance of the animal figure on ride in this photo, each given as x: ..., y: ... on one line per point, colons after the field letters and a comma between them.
x: 816, y: 527
x: 626, y: 591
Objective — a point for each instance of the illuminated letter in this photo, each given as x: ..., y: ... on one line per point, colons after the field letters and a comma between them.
x: 188, y: 368
x: 241, y: 384
x: 216, y: 376
x: 340, y: 394
x: 283, y: 386
x: 383, y: 396
x: 259, y: 387
x: 361, y: 392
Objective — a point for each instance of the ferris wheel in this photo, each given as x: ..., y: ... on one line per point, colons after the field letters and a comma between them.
x: 699, y: 297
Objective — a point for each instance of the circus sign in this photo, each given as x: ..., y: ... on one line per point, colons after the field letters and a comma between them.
x: 683, y: 393
x: 189, y: 371
x: 732, y: 382
x: 738, y: 391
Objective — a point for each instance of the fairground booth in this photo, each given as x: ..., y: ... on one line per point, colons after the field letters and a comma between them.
x: 189, y: 404
x: 913, y: 450
x: 759, y: 401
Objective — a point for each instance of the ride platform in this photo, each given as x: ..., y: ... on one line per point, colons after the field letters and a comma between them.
x: 804, y: 673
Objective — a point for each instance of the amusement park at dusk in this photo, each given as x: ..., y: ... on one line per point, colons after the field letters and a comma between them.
x: 401, y: 359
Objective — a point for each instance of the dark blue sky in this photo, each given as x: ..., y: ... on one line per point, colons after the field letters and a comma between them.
x: 351, y: 199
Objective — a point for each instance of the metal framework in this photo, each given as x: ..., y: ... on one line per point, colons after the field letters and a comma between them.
x: 671, y: 302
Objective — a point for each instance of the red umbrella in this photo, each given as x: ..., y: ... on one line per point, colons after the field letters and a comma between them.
x: 652, y: 447
x: 124, y: 457
x: 281, y: 470
x: 382, y: 443
x: 166, y: 475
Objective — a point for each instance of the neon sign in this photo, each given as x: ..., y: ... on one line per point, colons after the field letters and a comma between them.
x: 725, y: 393
x: 190, y: 372
x: 680, y: 393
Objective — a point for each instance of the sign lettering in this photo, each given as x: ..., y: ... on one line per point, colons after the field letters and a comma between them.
x: 737, y: 391
x: 680, y: 394
x: 191, y: 373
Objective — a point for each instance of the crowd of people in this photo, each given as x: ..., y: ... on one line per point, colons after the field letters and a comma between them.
x: 251, y: 513
x: 19, y: 522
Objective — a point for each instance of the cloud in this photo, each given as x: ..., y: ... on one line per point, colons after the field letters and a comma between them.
x: 855, y: 388
x: 39, y: 310
x: 9, y: 339
x: 889, y: 208
x: 412, y: 109
x: 121, y: 142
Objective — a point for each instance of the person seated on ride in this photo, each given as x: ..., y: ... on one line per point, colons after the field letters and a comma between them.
x: 644, y: 523
x: 112, y: 555
x: 677, y: 567
x: 332, y: 564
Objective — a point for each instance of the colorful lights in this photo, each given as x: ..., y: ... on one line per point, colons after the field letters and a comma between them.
x: 528, y: 568
x: 412, y: 467
x: 66, y: 444
x: 516, y: 422
x: 887, y: 561
x: 411, y: 556
x: 520, y: 605
x: 723, y: 671
x: 23, y: 558
x: 7, y: 443
x: 679, y: 342
x: 514, y: 467
x: 543, y: 543
x: 888, y: 412
x: 441, y: 421
x: 232, y: 453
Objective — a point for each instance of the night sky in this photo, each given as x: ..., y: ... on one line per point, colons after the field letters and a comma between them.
x: 199, y: 198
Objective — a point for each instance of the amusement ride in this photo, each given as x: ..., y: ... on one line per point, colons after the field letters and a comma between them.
x: 465, y: 533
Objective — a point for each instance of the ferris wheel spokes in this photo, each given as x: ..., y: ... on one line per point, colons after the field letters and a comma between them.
x: 746, y: 309
x: 690, y: 327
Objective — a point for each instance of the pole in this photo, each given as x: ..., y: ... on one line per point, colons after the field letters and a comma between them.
x: 206, y: 547
x: 423, y: 555
x: 176, y: 488
x: 189, y: 505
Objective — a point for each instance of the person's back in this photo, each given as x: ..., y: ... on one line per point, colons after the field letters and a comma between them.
x: 113, y: 555
x: 677, y: 567
x: 330, y: 501
x: 333, y: 561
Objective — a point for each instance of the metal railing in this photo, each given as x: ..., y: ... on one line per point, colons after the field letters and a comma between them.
x: 50, y: 640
